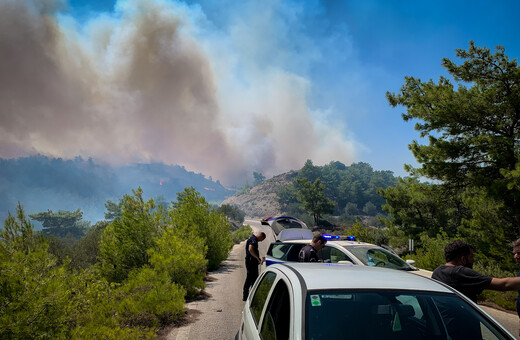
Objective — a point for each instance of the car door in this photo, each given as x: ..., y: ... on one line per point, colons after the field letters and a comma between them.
x: 268, y: 311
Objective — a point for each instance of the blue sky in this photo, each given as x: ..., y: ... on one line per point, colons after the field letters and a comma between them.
x: 316, y: 71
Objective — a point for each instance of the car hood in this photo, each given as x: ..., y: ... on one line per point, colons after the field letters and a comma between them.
x: 423, y: 272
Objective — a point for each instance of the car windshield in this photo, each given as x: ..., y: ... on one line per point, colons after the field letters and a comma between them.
x: 380, y: 257
x: 386, y: 314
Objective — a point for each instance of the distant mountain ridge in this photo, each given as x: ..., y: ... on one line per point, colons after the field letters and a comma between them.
x: 41, y: 183
x: 261, y: 200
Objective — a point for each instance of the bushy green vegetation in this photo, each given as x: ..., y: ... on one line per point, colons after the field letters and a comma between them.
x: 82, y: 252
x: 241, y: 234
x: 232, y: 212
x: 365, y: 234
x: 122, y: 280
x: 62, y: 223
x: 192, y: 217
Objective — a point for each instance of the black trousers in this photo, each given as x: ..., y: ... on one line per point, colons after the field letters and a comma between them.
x: 251, y: 276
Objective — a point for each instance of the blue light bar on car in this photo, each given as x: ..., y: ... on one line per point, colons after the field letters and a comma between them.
x: 329, y: 237
x: 337, y: 237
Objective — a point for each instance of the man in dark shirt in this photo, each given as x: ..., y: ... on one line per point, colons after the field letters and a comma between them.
x: 458, y: 272
x: 252, y: 261
x: 309, y: 252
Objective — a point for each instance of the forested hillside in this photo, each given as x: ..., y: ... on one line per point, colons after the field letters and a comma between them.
x: 41, y: 183
x: 338, y: 193
x: 351, y: 190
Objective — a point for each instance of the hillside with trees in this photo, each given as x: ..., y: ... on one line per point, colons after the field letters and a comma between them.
x: 42, y: 183
x: 333, y: 194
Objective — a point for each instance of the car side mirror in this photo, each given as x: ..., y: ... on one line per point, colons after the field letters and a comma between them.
x: 411, y: 262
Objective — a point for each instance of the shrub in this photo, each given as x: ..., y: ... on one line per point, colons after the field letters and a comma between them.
x: 34, y: 292
x: 193, y: 216
x: 367, y: 234
x: 82, y: 252
x: 241, y: 234
x: 182, y: 259
x: 148, y: 299
x: 430, y: 254
x: 232, y: 212
x: 125, y: 242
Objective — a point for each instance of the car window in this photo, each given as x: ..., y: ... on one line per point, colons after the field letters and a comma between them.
x: 279, y: 250
x: 385, y: 314
x: 293, y: 252
x: 262, y: 290
x: 277, y: 319
x: 337, y: 255
x: 324, y: 254
x: 330, y: 254
x: 380, y: 257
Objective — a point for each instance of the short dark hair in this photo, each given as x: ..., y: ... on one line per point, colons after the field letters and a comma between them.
x: 260, y: 234
x: 319, y: 237
x: 516, y: 243
x: 456, y: 249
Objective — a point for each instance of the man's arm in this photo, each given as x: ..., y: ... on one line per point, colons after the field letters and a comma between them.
x: 256, y: 255
x: 506, y: 283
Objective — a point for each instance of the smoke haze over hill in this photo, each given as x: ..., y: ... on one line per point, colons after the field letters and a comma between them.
x: 157, y: 81
x: 40, y: 183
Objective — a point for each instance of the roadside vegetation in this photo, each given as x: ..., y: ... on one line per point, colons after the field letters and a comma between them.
x: 241, y: 234
x: 124, y: 279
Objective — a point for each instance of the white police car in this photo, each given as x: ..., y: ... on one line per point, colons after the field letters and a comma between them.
x: 331, y: 301
x: 345, y: 250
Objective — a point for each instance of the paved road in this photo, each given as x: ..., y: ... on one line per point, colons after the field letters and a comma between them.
x: 218, y: 317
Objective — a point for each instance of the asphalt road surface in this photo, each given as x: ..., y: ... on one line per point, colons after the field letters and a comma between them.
x: 218, y: 316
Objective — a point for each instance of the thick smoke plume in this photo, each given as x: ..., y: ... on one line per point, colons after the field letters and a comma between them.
x: 155, y: 80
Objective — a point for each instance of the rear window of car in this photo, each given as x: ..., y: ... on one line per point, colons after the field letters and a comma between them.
x: 385, y: 314
x: 285, y: 251
x: 279, y: 250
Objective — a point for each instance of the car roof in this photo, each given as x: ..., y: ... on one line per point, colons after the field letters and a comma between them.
x: 340, y: 276
x: 338, y: 242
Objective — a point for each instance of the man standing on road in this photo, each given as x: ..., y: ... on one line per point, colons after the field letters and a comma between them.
x: 458, y: 272
x: 252, y: 261
x: 516, y: 255
x: 309, y: 252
